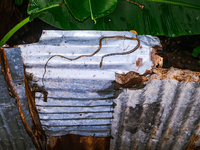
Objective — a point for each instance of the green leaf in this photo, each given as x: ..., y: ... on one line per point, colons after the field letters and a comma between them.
x: 196, y: 52
x: 54, y: 12
x: 18, y: 2
x: 82, y: 9
x: 199, y: 62
x: 13, y: 30
x: 168, y: 18
x: 158, y: 17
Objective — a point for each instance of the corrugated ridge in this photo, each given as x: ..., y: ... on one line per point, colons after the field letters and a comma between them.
x: 163, y: 115
x: 191, y: 124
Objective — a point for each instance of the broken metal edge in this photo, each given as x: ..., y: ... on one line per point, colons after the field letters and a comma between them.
x: 6, y: 72
x: 133, y: 78
x: 156, y: 59
x: 37, y: 127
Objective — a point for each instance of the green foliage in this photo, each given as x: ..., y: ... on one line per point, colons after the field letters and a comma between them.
x: 82, y: 9
x: 54, y: 12
x: 158, y: 17
x: 13, y: 30
x: 196, y: 53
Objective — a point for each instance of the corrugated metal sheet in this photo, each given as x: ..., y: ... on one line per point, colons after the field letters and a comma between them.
x: 80, y: 93
x: 84, y: 100
x: 13, y: 134
x: 162, y: 115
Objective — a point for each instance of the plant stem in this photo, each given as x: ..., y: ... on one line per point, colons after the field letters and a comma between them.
x: 13, y: 30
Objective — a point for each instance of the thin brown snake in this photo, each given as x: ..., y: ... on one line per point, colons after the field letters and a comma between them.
x: 106, y: 37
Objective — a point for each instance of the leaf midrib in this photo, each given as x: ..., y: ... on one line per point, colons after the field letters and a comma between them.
x: 177, y: 3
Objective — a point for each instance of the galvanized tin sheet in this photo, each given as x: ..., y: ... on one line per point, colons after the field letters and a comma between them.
x: 13, y: 134
x: 80, y: 93
x: 162, y: 115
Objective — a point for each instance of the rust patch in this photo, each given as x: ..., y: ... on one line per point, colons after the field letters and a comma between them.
x: 133, y: 78
x: 35, y: 89
x: 154, y: 133
x: 191, y: 145
x: 125, y: 78
x: 166, y: 138
x: 168, y: 134
x: 130, y: 79
x: 12, y: 91
x: 77, y: 142
x: 180, y: 137
x: 184, y: 128
x: 156, y: 59
x: 139, y: 62
x: 170, y: 131
x: 177, y: 74
x: 198, y: 127
x: 136, y: 147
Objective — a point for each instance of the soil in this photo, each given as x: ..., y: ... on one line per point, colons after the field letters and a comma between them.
x: 177, y: 52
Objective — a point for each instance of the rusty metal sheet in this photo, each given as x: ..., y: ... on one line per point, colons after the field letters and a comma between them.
x: 77, y: 142
x: 162, y: 115
x: 13, y: 134
x: 80, y: 93
x: 84, y: 100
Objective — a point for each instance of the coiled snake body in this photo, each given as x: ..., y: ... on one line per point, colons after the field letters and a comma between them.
x: 100, y: 44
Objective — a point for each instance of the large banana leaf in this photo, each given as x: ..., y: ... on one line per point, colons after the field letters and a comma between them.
x: 82, y: 9
x: 158, y: 17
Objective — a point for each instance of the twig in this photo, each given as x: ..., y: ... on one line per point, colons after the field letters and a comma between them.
x: 140, y: 5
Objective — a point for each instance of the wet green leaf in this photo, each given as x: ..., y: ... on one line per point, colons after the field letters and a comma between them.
x: 158, y: 17
x: 196, y: 52
x: 54, y: 12
x: 82, y: 9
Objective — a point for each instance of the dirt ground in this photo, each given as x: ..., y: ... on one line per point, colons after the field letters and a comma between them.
x: 177, y: 52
